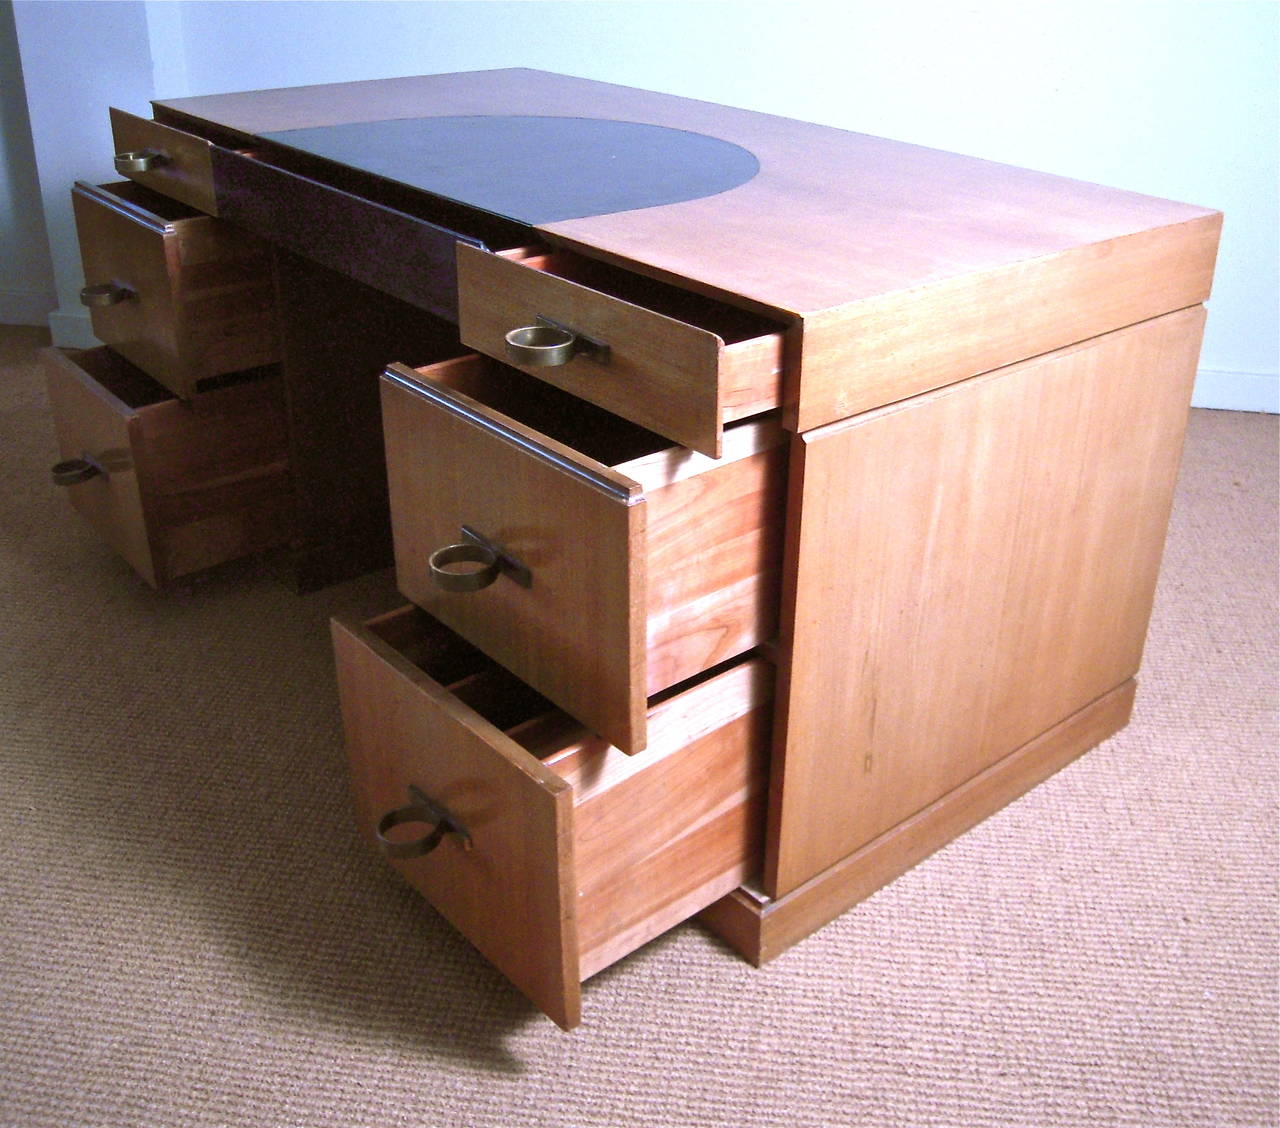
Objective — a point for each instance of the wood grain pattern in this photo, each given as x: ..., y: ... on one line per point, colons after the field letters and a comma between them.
x: 336, y: 338
x: 980, y: 322
x: 752, y: 374
x: 713, y: 550
x: 185, y: 172
x: 637, y: 585
x: 989, y: 571
x: 661, y: 835
x: 511, y: 895
x: 760, y: 928
x: 188, y: 485
x: 203, y: 297
x: 662, y: 373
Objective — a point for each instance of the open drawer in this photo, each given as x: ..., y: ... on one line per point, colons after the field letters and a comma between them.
x: 185, y: 297
x: 167, y: 160
x: 673, y: 361
x: 174, y: 487
x: 554, y: 854
x: 585, y: 554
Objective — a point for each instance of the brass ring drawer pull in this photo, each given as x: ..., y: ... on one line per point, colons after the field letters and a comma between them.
x: 139, y: 160
x: 105, y: 294
x: 476, y: 549
x: 420, y: 810
x: 76, y: 470
x: 470, y: 579
x: 548, y: 344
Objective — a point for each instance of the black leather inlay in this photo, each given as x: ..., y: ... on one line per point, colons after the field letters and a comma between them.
x: 535, y: 169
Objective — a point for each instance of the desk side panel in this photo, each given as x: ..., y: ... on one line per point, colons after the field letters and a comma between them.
x: 970, y: 567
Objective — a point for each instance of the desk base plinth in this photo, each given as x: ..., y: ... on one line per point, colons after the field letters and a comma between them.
x: 759, y: 927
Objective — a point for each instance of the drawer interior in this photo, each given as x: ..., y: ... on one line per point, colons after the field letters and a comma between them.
x: 730, y: 324
x: 600, y: 435
x: 124, y: 382
x: 136, y: 197
x: 485, y: 687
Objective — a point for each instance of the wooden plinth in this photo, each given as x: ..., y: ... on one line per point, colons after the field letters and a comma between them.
x: 760, y: 928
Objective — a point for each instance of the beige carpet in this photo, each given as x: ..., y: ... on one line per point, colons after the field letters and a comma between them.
x: 191, y: 934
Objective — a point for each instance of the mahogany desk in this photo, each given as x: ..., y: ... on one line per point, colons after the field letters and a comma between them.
x: 774, y: 502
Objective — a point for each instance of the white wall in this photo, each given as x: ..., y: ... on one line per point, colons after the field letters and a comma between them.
x: 26, y: 275
x: 78, y: 57
x: 1175, y: 99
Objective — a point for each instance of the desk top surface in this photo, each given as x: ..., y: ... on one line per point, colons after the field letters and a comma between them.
x: 793, y: 216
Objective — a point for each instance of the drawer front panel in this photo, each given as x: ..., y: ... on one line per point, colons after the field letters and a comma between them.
x: 176, y: 164
x: 671, y: 376
x: 194, y: 297
x: 576, y: 633
x: 511, y: 893
x: 178, y: 487
x: 93, y: 424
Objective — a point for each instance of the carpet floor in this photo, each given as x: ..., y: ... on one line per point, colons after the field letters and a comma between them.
x: 192, y: 934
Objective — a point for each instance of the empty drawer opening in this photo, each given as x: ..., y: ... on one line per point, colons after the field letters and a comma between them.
x: 727, y: 322
x: 590, y: 430
x: 152, y: 203
x: 120, y: 379
x: 477, y: 681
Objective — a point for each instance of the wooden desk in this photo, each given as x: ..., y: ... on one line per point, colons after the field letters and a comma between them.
x: 851, y: 539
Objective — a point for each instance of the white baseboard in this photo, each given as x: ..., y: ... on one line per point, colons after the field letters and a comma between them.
x: 70, y: 329
x: 1237, y: 391
x: 24, y: 307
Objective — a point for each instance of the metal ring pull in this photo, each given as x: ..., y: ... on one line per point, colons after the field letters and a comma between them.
x: 139, y: 160
x: 105, y: 294
x: 549, y: 344
x: 540, y: 346
x: 420, y: 810
x: 472, y: 579
x: 75, y: 470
